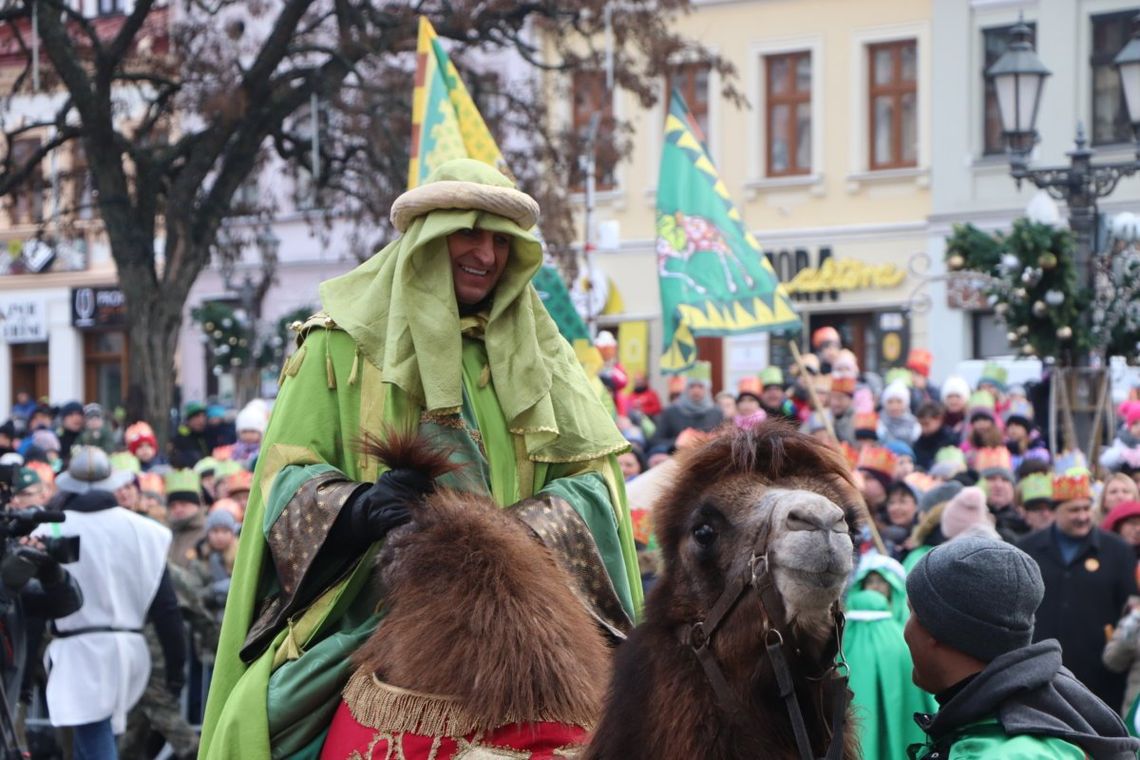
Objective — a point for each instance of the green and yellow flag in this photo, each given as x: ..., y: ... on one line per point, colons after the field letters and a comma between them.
x: 446, y: 124
x: 714, y: 278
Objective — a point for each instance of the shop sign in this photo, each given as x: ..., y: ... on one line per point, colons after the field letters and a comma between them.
x: 25, y: 320
x: 893, y: 328
x: 98, y: 309
x: 830, y: 275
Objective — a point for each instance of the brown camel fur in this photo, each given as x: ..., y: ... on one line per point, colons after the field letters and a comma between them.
x: 728, y: 502
x: 479, y: 611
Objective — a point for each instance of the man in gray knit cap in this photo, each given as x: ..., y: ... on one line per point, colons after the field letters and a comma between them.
x: 973, y: 602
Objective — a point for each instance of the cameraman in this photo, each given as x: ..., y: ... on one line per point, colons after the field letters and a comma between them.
x: 99, y: 663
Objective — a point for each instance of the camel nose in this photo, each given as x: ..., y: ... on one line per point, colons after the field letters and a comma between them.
x: 816, y: 516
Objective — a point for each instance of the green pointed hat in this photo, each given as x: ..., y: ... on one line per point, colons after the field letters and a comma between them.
x: 225, y: 468
x: 901, y: 374
x: 994, y: 374
x: 125, y: 460
x: 183, y: 485
x: 951, y: 454
x: 982, y: 402
x: 1036, y: 486
x: 772, y: 376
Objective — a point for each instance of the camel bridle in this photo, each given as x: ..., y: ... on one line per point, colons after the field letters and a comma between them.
x: 698, y: 636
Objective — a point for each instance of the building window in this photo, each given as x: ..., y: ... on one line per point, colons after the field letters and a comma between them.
x: 590, y: 97
x: 110, y: 7
x: 1110, y: 33
x: 893, y: 104
x: 787, y: 113
x: 995, y: 41
x: 692, y: 81
x: 26, y: 204
x: 105, y: 367
x: 989, y: 336
x: 82, y: 186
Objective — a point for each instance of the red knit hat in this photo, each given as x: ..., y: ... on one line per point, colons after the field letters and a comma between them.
x: 138, y: 434
x: 1119, y: 514
x: 920, y: 360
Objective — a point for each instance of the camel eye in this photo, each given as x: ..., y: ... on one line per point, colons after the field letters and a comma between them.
x: 704, y: 534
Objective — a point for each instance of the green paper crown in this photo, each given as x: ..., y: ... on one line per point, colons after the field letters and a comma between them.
x: 701, y: 371
x: 950, y: 454
x: 772, y: 376
x: 225, y: 468
x: 182, y: 481
x: 1036, y: 486
x: 125, y: 460
x: 204, y: 465
x: 994, y: 374
x: 901, y: 374
x: 982, y: 401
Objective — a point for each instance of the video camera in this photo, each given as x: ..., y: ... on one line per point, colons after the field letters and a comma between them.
x: 16, y: 524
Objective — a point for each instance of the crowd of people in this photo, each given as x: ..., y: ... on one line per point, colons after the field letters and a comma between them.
x: 935, y: 462
x: 192, y: 494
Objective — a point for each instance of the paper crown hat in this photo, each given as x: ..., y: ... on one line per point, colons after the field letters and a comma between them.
x: 993, y: 460
x: 125, y: 460
x: 825, y: 334
x: 994, y: 374
x: 152, y: 481
x: 205, y: 465
x: 867, y: 421
x: 676, y: 383
x: 850, y: 453
x: 898, y: 374
x: 183, y: 482
x: 982, y: 401
x: 750, y: 385
x: 1070, y: 460
x: 843, y: 385
x: 878, y: 459
x: 771, y: 376
x: 1019, y: 410
x: 951, y: 454
x: 225, y: 468
x: 1035, y: 486
x: 1071, y: 487
x: 700, y: 371
x: 920, y: 360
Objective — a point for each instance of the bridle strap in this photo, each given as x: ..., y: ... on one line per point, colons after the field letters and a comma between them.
x: 787, y: 691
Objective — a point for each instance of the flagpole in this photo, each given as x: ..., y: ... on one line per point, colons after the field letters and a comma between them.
x: 590, y: 162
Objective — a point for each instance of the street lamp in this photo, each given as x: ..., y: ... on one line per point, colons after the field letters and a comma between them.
x: 1019, y: 78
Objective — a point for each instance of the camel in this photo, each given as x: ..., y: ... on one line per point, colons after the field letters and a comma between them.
x: 486, y: 632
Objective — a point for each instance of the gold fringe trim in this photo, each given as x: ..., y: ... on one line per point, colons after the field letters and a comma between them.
x: 388, y: 708
x: 453, y: 421
x: 485, y: 376
x: 329, y: 374
x: 355, y: 367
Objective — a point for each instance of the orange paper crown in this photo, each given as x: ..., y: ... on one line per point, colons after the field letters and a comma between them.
x: 879, y: 459
x: 843, y: 385
x: 1071, y: 487
x: 676, y: 384
x: 749, y: 385
x: 849, y: 453
x: 992, y: 458
x: 866, y: 421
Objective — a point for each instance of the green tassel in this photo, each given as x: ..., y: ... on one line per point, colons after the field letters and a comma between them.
x: 293, y: 366
x: 329, y: 372
x: 485, y: 376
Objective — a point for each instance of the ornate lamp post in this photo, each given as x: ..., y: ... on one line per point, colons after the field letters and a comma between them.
x: 1019, y: 78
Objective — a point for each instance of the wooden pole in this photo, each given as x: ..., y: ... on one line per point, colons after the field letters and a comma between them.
x: 826, y: 417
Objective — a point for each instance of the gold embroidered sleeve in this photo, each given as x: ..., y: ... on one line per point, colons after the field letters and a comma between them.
x: 561, y: 530
x: 294, y: 542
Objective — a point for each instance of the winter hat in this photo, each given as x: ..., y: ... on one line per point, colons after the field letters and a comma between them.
x: 896, y: 390
x: 982, y: 404
x: 1020, y: 412
x: 956, y: 386
x: 231, y: 506
x: 138, y: 434
x: 46, y: 440
x: 900, y: 448
x: 26, y: 477
x: 1132, y: 414
x: 966, y: 508
x: 71, y: 407
x: 920, y: 361
x: 941, y: 493
x: 994, y: 374
x: 220, y: 518
x: 977, y: 595
x: 192, y: 408
x: 93, y: 410
x: 1119, y: 514
x: 771, y: 376
x: 605, y: 339
x: 251, y: 419
x: 826, y: 334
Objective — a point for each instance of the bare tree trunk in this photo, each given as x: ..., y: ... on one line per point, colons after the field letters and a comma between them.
x: 154, y: 320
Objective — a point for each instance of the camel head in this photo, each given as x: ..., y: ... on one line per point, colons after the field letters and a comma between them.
x: 767, y: 499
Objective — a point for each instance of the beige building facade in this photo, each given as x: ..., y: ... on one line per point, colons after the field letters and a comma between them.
x: 829, y: 166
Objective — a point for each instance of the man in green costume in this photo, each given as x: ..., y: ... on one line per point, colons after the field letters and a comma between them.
x: 440, y: 332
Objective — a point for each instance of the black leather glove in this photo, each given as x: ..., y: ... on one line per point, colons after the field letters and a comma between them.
x: 384, y: 505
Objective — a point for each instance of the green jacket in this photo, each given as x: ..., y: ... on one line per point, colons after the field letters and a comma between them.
x: 985, y: 740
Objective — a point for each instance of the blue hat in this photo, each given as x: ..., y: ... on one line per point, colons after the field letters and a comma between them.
x: 900, y: 448
x: 215, y: 410
x: 71, y: 407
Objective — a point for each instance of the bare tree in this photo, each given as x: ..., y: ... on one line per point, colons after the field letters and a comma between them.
x: 175, y: 104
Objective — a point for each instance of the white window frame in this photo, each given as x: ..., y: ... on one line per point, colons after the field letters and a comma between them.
x: 859, y: 159
x: 757, y: 126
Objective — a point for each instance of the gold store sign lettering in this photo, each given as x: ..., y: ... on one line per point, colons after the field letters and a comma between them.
x: 845, y: 274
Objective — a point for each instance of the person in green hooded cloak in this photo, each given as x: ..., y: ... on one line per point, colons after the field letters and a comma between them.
x: 442, y: 333
x: 885, y: 698
x: 885, y: 575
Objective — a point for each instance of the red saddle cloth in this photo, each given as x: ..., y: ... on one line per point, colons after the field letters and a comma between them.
x: 377, y: 721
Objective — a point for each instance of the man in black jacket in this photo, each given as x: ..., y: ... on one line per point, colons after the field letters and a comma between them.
x: 935, y: 435
x: 972, y: 603
x: 1089, y: 575
x: 694, y: 409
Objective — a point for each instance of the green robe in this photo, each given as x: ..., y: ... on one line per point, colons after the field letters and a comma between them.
x: 501, y: 390
x: 886, y: 698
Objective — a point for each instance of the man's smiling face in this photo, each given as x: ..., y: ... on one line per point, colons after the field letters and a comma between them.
x: 478, y: 258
